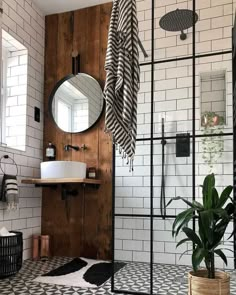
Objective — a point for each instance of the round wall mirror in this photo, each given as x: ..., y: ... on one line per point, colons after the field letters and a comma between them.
x: 76, y: 103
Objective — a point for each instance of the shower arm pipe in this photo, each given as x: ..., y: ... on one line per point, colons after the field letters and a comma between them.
x: 142, y: 48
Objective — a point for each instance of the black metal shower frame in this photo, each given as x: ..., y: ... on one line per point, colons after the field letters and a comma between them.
x: 151, y: 139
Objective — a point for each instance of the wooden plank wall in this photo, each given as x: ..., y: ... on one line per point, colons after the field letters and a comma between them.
x: 86, y: 231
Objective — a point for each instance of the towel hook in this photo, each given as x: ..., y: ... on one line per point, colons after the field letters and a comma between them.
x: 7, y: 157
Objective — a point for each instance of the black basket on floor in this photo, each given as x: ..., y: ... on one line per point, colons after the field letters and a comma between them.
x: 11, y: 249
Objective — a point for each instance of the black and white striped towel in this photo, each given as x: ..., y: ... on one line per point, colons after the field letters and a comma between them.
x: 9, y: 193
x: 122, y: 80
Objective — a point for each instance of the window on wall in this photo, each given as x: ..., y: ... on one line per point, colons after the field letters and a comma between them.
x: 13, y: 92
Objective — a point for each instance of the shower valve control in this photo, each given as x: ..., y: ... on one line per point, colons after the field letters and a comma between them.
x: 183, y: 145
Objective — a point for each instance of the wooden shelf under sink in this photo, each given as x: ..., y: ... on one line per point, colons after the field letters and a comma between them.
x: 41, y: 181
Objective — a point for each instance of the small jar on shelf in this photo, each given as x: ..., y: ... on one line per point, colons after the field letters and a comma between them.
x: 92, y: 173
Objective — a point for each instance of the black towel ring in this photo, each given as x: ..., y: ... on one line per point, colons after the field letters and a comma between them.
x: 7, y: 157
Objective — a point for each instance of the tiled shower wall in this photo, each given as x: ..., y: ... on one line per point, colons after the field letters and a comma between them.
x: 25, y: 22
x: 173, y: 102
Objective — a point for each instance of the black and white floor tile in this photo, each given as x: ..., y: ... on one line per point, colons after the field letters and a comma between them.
x: 135, y: 277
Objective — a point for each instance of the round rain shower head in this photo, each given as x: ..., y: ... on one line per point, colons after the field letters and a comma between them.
x: 178, y: 20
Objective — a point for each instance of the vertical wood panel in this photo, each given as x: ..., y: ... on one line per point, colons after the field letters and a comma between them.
x: 64, y: 68
x: 105, y: 152
x: 88, y: 230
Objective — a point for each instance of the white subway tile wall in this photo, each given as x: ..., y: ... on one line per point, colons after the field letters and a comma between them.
x: 213, y: 29
x: 25, y: 22
x: 17, y: 60
x: 172, y: 101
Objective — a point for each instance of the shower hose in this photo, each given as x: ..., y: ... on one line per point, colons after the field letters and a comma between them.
x: 163, y: 194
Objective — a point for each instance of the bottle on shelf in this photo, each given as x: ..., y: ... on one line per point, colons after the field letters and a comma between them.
x: 92, y: 172
x: 51, y: 152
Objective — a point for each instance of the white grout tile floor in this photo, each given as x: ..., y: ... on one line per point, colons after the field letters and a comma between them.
x: 134, y: 277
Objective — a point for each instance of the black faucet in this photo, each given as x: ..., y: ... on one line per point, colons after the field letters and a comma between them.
x: 68, y: 147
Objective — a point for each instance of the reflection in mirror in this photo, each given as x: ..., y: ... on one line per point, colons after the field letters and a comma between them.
x: 77, y: 103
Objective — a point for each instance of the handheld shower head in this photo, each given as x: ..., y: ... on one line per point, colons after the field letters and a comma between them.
x: 163, y: 141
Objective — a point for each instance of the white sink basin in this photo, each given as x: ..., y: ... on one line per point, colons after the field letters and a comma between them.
x: 63, y: 169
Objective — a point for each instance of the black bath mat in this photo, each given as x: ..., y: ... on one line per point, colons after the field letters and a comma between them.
x: 99, y: 273
x: 75, y: 265
x: 84, y: 273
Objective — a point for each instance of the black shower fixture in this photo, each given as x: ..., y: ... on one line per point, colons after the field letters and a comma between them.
x: 178, y: 20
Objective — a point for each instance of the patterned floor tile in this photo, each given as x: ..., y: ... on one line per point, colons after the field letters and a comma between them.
x: 135, y: 277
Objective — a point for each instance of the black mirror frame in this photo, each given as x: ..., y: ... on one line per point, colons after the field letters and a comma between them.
x: 51, y: 97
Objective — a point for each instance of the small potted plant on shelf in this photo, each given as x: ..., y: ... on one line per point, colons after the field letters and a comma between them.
x: 213, y: 216
x: 212, y: 147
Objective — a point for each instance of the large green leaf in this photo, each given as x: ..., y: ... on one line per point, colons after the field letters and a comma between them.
x: 220, y: 212
x: 181, y: 220
x: 185, y: 252
x: 233, y: 233
x: 198, y: 205
x: 197, y: 257
x: 180, y: 198
x: 208, y: 185
x: 225, y: 195
x: 192, y: 236
x: 207, y: 219
x: 202, y: 233
x: 222, y: 255
x: 182, y: 242
x: 215, y: 198
x: 194, y: 204
x: 219, y: 230
x: 230, y: 209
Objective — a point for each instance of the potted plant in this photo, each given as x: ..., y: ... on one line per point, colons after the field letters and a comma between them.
x: 212, y: 148
x: 213, y: 217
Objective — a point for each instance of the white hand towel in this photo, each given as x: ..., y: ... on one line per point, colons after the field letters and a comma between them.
x: 5, y: 233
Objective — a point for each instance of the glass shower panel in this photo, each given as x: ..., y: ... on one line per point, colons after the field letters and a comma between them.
x: 214, y: 94
x: 219, y: 162
x: 165, y: 251
x: 176, y: 177
x: 173, y: 97
x: 132, y: 188
x: 170, y: 266
x: 214, y: 27
x: 132, y: 253
x: 144, y: 103
x: 145, y: 25
x: 169, y: 43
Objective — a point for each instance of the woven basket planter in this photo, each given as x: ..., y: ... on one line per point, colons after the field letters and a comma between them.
x: 199, y: 284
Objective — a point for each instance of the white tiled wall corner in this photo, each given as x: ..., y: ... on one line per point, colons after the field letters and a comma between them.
x: 25, y: 22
